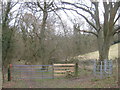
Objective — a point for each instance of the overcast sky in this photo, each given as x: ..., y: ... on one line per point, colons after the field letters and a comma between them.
x: 71, y: 15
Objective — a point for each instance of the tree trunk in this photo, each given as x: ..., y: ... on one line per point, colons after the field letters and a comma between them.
x: 104, y: 44
x: 118, y: 62
x: 42, y: 35
x: 104, y: 52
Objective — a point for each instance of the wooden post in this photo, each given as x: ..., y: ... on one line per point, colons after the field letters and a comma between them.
x: 42, y: 72
x: 53, y: 70
x: 3, y: 73
x: 76, y: 69
x: 9, y: 72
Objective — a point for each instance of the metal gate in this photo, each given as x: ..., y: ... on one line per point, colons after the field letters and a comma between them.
x: 103, y: 68
x: 32, y: 72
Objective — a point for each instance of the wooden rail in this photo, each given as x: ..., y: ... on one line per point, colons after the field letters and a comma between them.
x: 61, y: 69
x: 55, y: 70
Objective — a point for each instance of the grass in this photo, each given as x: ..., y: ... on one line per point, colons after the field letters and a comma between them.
x: 85, y: 78
x: 113, y: 53
x: 104, y: 83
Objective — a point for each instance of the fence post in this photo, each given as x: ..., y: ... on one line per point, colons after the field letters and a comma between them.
x: 76, y: 69
x: 94, y: 69
x: 105, y: 67
x: 111, y: 68
x: 101, y: 70
x: 53, y: 70
x: 42, y: 72
x: 9, y: 72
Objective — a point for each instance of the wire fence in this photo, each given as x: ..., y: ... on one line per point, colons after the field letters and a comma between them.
x: 32, y: 72
x: 39, y: 71
x: 103, y: 68
x: 100, y: 69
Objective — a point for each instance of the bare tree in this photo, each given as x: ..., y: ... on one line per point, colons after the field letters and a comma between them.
x: 105, y: 32
x: 7, y: 31
x: 45, y: 7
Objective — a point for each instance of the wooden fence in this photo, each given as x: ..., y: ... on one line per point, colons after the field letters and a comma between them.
x: 62, y: 69
x: 37, y: 72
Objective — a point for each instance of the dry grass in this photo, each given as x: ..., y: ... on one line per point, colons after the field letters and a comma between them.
x: 113, y: 53
x: 84, y: 80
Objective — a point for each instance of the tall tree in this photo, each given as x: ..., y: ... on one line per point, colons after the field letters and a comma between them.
x: 44, y: 7
x: 7, y: 30
x: 104, y: 32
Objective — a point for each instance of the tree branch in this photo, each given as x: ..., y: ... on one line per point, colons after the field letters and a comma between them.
x: 92, y: 15
x: 117, y: 30
x: 38, y: 4
x: 32, y: 7
x: 14, y: 5
x: 5, y: 14
x: 97, y: 20
x: 85, y: 6
x: 61, y: 22
x: 116, y: 19
x: 83, y: 17
x: 89, y: 32
x: 50, y: 4
x: 113, y: 12
x: 106, y: 17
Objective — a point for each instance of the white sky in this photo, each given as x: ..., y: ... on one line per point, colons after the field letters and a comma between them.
x: 72, y: 15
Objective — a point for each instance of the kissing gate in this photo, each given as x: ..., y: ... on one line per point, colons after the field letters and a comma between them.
x: 38, y: 72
